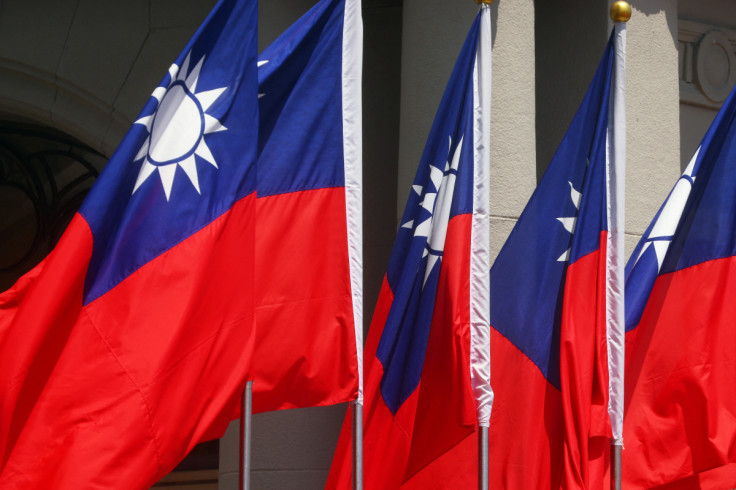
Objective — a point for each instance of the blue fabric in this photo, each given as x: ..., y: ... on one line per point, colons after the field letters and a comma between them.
x: 527, y: 279
x: 301, y: 89
x: 403, y: 343
x: 131, y: 228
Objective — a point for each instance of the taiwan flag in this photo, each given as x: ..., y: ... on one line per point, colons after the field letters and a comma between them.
x: 680, y: 405
x: 130, y: 343
x: 309, y: 213
x: 552, y: 304
x: 427, y: 367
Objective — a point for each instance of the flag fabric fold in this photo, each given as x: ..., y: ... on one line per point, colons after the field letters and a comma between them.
x: 309, y: 216
x: 129, y: 344
x: 680, y: 404
x: 550, y: 295
x: 427, y: 368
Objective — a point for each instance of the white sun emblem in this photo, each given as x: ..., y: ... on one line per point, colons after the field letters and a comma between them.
x: 569, y: 223
x: 434, y: 228
x: 176, y: 129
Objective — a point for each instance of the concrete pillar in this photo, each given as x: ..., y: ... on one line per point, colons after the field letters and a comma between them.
x: 513, y: 116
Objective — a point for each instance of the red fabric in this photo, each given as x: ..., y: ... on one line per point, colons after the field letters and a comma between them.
x: 386, y: 439
x: 440, y: 413
x: 584, y: 374
x: 526, y: 432
x: 114, y: 394
x: 680, y: 405
x: 305, y: 345
x: 525, y: 435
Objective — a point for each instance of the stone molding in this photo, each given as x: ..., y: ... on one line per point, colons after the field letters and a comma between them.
x: 43, y: 97
x: 707, y: 63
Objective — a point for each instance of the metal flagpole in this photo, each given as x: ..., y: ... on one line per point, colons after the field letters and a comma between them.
x: 615, y: 466
x: 482, y: 458
x: 620, y: 14
x: 246, y: 412
x: 357, y: 445
x: 483, y: 88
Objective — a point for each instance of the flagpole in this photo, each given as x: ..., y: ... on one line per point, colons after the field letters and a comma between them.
x: 482, y: 82
x: 246, y: 412
x: 620, y: 14
x: 483, y: 458
x: 357, y: 408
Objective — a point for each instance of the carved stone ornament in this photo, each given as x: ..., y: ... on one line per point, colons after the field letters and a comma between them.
x: 707, y: 60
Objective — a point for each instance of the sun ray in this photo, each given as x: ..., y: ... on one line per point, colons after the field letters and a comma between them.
x: 204, y: 151
x: 408, y: 224
x: 212, y: 125
x: 143, y: 151
x: 568, y: 223
x: 262, y: 62
x: 456, y: 156
x: 428, y: 201
x: 184, y: 68
x: 189, y: 165
x: 173, y: 72
x: 424, y: 228
x: 431, y: 261
x: 565, y: 256
x: 208, y: 97
x: 146, y: 170
x: 417, y: 189
x: 145, y: 121
x: 166, y: 172
x: 193, y: 77
x: 159, y: 93
x: 575, y: 196
x: 436, y: 176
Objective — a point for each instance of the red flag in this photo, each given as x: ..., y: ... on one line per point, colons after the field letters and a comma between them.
x: 550, y: 426
x: 427, y: 366
x: 680, y: 419
x: 309, y: 240
x: 129, y: 344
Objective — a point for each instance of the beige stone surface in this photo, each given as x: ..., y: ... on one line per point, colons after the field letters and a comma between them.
x: 500, y: 230
x: 652, y: 110
x: 513, y: 109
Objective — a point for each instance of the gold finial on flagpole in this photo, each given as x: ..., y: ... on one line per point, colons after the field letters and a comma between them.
x: 487, y: 2
x: 620, y: 11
